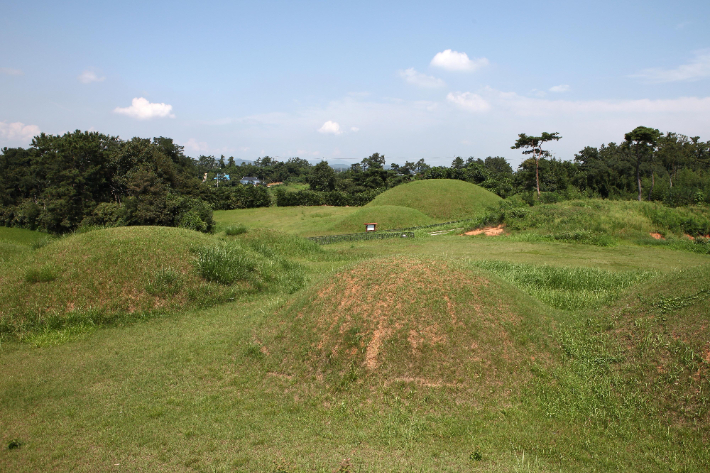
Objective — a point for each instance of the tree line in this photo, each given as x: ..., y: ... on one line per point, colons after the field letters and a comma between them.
x: 60, y: 183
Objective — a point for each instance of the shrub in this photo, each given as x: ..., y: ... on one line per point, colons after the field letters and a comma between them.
x: 334, y: 198
x: 195, y: 214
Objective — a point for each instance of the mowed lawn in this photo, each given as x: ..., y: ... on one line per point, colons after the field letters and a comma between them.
x: 302, y: 221
x: 207, y: 390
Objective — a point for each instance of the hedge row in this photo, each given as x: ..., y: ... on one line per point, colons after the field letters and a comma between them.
x: 334, y: 198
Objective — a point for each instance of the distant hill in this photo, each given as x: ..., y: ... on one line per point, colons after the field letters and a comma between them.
x: 441, y: 199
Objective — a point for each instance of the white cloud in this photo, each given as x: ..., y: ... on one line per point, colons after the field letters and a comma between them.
x: 87, y: 77
x: 8, y: 71
x: 18, y: 132
x: 560, y: 88
x: 527, y: 106
x: 196, y: 146
x: 456, y: 61
x: 698, y: 68
x: 330, y: 127
x: 468, y: 101
x: 143, y: 110
x: 421, y: 80
x: 354, y: 129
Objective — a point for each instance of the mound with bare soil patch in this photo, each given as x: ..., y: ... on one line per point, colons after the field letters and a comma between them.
x: 408, y: 320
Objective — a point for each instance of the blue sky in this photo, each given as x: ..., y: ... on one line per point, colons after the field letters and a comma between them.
x: 337, y: 81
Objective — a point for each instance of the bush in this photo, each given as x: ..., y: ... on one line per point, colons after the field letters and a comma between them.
x: 236, y: 197
x: 678, y: 220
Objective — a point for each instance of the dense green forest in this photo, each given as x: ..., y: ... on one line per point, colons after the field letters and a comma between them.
x: 61, y: 183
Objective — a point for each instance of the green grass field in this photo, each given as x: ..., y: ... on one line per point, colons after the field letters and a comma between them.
x: 303, y: 221
x: 438, y: 353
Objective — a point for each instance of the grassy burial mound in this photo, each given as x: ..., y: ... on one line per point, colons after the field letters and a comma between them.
x: 106, y: 274
x: 440, y: 199
x: 605, y: 223
x: 424, y: 322
x: 386, y: 216
x: 660, y: 347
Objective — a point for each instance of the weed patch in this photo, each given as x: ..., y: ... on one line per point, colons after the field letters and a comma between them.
x: 164, y: 282
x: 46, y: 273
x: 569, y: 288
x: 225, y: 263
x: 233, y: 230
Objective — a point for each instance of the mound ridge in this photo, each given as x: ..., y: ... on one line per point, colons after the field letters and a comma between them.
x: 386, y: 216
x: 411, y: 320
x: 107, y: 270
x: 441, y: 199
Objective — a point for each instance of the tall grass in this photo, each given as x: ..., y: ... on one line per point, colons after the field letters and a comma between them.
x: 235, y: 229
x: 225, y: 263
x: 568, y: 288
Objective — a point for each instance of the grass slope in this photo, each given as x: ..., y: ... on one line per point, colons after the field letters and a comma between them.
x: 15, y: 241
x: 105, y: 274
x: 440, y: 199
x: 422, y: 362
x: 386, y: 217
x: 605, y: 223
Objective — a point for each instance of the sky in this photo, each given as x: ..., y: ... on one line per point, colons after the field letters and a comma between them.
x: 342, y: 80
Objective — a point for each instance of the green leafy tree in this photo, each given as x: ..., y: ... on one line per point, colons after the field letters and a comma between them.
x: 533, y: 145
x: 420, y: 166
x: 458, y: 163
x: 643, y: 142
x: 372, y: 162
x: 322, y: 178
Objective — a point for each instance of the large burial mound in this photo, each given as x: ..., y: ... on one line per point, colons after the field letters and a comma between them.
x: 413, y: 321
x: 112, y: 271
x: 386, y: 216
x: 440, y: 199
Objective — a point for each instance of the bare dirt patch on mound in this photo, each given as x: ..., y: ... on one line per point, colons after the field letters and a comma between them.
x: 488, y: 231
x: 406, y: 320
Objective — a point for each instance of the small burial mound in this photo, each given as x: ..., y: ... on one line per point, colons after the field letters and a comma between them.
x: 440, y: 199
x: 104, y: 274
x: 108, y: 271
x: 425, y: 322
x: 386, y: 216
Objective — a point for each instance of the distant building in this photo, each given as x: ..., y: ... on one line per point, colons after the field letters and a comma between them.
x: 254, y: 181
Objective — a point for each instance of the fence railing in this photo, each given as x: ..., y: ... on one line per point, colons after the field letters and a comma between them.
x: 422, y: 227
x: 328, y: 239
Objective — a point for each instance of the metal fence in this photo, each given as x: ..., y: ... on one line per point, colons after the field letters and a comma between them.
x: 328, y: 239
